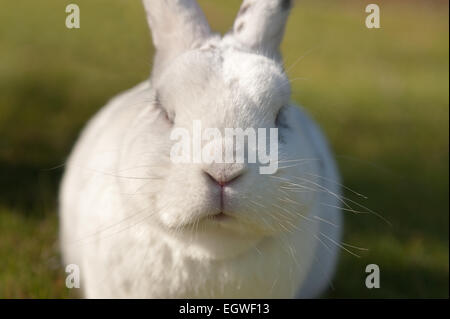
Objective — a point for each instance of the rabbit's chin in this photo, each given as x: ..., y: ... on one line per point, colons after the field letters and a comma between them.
x: 218, y: 238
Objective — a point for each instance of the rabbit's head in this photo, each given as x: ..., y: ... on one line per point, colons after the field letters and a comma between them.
x: 236, y: 81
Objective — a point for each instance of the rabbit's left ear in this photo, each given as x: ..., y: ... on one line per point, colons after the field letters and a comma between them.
x: 177, y: 26
x: 260, y: 24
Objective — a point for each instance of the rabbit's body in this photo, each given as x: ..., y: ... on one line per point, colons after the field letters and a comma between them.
x: 140, y: 226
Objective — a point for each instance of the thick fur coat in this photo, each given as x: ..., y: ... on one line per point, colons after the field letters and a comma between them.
x: 141, y: 226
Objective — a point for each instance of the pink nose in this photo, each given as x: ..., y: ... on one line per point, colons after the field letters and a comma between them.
x: 224, y: 175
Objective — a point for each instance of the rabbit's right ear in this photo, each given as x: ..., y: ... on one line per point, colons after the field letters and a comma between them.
x: 177, y: 26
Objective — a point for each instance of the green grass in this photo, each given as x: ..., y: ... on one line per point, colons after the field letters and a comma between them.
x: 380, y: 95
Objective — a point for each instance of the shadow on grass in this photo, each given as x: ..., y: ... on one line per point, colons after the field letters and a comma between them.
x: 28, y: 189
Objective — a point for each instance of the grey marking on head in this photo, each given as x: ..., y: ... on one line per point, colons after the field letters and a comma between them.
x: 240, y: 26
x: 286, y: 4
x: 243, y: 9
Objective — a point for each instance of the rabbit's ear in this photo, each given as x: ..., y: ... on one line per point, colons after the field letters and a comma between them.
x: 260, y: 24
x: 176, y: 25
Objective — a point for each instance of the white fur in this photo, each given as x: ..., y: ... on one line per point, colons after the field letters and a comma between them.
x: 127, y: 211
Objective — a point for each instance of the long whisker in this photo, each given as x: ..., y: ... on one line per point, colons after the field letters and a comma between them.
x: 339, y: 245
x: 340, y: 184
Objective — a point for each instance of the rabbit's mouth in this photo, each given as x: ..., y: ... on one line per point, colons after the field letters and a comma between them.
x: 220, y: 216
x: 216, y: 236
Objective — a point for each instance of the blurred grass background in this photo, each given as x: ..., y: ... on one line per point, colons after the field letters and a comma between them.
x: 381, y: 95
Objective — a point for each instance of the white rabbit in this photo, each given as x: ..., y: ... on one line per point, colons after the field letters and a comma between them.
x: 141, y: 226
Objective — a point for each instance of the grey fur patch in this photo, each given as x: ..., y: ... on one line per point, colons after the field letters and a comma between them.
x: 243, y: 9
x: 286, y: 4
x: 240, y: 27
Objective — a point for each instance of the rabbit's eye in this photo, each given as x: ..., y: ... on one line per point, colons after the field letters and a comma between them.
x: 281, y: 120
x: 281, y: 124
x: 167, y: 116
